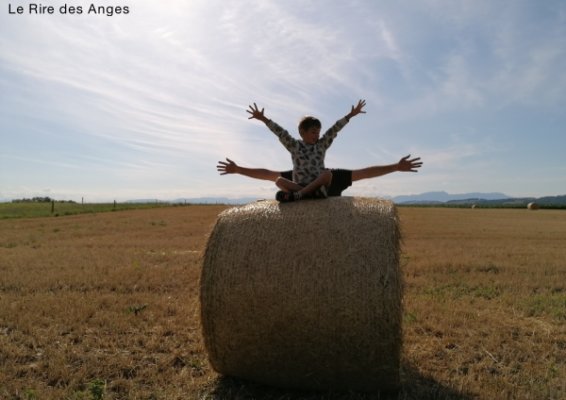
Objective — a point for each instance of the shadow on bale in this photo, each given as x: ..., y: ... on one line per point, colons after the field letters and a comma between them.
x: 414, y: 386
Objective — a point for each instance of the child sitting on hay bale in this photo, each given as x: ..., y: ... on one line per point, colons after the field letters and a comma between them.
x: 310, y: 177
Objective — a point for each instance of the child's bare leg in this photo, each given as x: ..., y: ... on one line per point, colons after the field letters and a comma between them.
x: 286, y: 185
x: 289, y: 190
x: 324, y: 179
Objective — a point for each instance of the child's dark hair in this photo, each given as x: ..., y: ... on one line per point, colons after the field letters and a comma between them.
x: 309, y: 122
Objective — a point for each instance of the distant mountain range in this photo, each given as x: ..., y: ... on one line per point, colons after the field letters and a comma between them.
x: 199, y: 200
x: 443, y: 197
x: 485, y: 199
x: 423, y: 198
x: 217, y: 200
x: 494, y: 199
x: 428, y: 198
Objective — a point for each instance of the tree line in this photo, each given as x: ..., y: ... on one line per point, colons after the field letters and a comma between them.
x: 41, y: 200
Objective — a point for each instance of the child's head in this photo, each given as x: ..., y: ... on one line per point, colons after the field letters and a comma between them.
x: 308, y: 122
x: 309, y: 129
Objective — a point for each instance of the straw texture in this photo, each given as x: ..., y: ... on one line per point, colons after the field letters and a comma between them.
x: 305, y: 295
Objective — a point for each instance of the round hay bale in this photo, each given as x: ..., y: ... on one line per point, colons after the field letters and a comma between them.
x: 305, y: 295
x: 532, y: 206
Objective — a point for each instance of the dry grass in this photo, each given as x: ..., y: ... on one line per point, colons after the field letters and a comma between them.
x: 485, y: 303
x: 106, y: 306
x: 111, y: 297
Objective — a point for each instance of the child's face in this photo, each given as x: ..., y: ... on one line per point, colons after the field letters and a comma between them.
x: 311, y: 135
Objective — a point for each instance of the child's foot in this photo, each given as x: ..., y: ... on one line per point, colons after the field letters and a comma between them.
x: 320, y: 193
x: 286, y: 197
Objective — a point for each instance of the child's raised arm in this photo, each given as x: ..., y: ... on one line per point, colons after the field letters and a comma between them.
x: 328, y: 137
x: 358, y: 109
x: 256, y: 113
x: 287, y: 140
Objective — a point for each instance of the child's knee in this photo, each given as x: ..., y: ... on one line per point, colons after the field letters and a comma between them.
x: 280, y: 182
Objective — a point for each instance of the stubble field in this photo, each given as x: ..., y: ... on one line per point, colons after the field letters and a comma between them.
x: 105, y: 306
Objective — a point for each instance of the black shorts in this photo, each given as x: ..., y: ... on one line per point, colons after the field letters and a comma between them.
x: 341, y: 180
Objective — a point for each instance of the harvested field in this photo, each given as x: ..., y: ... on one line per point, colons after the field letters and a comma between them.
x: 105, y: 306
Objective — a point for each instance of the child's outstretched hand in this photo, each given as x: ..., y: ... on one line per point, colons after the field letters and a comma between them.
x: 228, y: 167
x: 256, y: 113
x: 406, y: 165
x: 358, y: 109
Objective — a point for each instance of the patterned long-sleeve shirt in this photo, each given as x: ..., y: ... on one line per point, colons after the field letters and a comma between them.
x: 308, y: 159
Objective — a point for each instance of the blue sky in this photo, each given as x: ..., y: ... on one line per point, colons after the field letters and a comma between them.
x: 143, y: 105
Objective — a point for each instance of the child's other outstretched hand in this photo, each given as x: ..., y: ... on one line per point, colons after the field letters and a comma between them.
x: 256, y: 113
x: 229, y: 167
x: 358, y: 109
x: 406, y: 165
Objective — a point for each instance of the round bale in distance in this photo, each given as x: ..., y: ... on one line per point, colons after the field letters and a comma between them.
x: 305, y: 295
x: 532, y: 206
